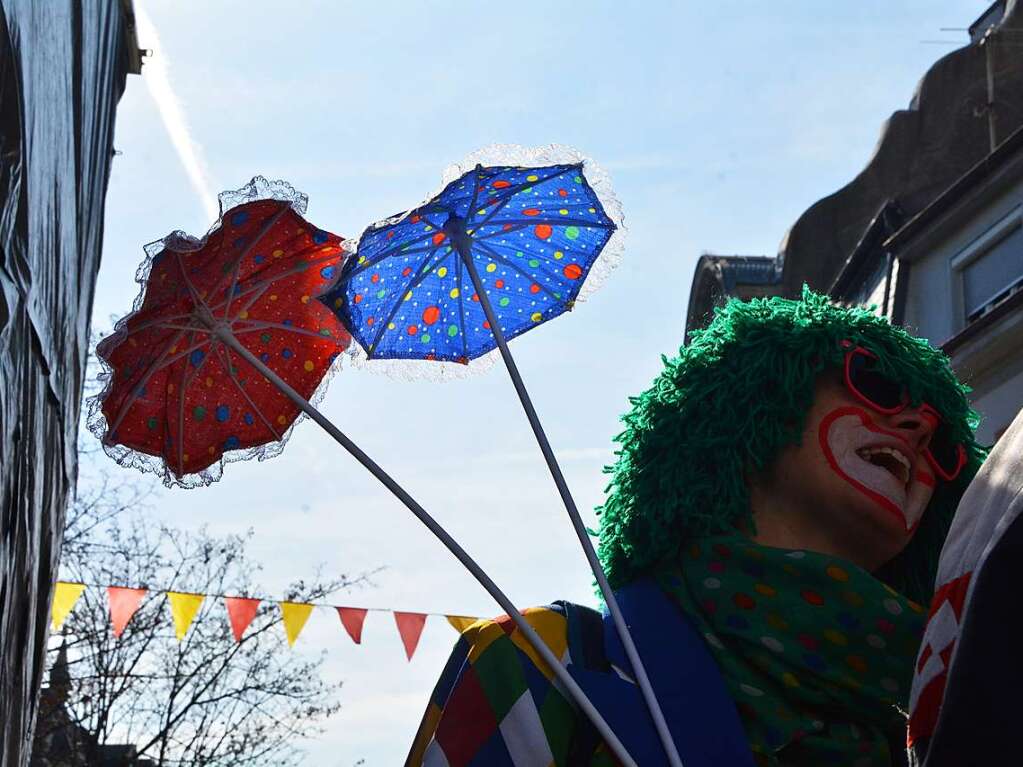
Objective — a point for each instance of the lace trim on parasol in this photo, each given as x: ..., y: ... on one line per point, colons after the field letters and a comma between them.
x: 419, y: 369
x: 516, y: 156
x: 259, y: 188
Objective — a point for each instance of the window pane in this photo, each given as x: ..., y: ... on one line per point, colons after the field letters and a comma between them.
x: 994, y: 273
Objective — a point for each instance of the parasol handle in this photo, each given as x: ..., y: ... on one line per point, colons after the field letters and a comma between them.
x: 463, y: 244
x: 224, y: 334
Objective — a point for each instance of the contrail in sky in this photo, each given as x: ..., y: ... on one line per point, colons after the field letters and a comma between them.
x: 155, y: 77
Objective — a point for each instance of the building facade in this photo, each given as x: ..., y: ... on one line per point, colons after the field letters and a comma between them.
x: 63, y: 65
x: 930, y: 231
x: 956, y: 278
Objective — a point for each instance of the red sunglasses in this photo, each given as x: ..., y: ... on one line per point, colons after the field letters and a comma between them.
x: 872, y: 387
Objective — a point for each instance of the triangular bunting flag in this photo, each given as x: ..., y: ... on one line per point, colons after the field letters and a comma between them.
x: 460, y: 622
x: 240, y: 611
x: 410, y: 627
x: 295, y: 615
x: 183, y: 609
x: 123, y: 604
x: 352, y: 619
x: 64, y: 597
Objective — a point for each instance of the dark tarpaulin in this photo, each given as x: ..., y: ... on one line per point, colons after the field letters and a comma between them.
x: 63, y: 65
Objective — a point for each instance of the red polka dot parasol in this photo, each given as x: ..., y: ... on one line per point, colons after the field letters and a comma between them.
x: 178, y: 401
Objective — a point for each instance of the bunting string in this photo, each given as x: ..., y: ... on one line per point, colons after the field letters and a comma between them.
x: 123, y: 602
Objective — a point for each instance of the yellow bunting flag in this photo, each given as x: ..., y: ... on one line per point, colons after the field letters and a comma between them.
x: 460, y: 622
x: 295, y: 615
x: 183, y: 609
x: 64, y: 597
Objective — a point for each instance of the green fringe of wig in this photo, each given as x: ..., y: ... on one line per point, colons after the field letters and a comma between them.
x: 730, y: 400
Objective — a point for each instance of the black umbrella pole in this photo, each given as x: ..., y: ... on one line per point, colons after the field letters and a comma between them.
x: 575, y: 692
x: 573, y: 512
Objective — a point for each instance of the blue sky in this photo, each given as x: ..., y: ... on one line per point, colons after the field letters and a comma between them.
x: 719, y: 123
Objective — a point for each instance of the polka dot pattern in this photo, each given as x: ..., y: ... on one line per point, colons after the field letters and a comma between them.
x: 798, y: 635
x: 181, y: 397
x: 532, y: 234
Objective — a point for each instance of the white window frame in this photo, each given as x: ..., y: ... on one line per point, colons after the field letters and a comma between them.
x: 958, y: 263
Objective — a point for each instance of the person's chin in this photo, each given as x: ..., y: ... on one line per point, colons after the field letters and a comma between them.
x: 880, y: 533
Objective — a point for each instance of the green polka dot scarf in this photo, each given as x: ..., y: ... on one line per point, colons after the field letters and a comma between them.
x: 817, y: 653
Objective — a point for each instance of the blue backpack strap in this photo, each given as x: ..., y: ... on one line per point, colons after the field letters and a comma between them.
x: 700, y: 712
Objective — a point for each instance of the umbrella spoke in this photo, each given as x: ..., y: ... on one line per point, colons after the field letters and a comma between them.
x: 187, y: 376
x: 171, y: 326
x: 188, y: 282
x: 130, y: 331
x: 515, y: 267
x: 499, y: 232
x: 417, y: 278
x: 255, y: 296
x: 268, y: 281
x: 396, y: 250
x: 560, y: 221
x: 475, y: 192
x: 263, y: 325
x: 511, y: 191
x: 434, y: 224
x: 236, y: 267
x: 494, y: 211
x: 133, y: 397
x: 461, y: 309
x: 224, y: 357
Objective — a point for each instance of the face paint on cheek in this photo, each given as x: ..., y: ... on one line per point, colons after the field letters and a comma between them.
x: 845, y: 431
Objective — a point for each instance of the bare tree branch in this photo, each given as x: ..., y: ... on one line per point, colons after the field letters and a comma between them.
x: 207, y: 700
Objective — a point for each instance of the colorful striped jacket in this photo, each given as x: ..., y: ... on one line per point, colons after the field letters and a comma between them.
x: 497, y: 704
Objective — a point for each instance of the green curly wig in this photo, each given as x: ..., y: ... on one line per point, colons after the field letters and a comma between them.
x: 731, y: 399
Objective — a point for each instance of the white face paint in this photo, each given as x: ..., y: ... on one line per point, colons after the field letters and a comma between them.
x: 880, y: 464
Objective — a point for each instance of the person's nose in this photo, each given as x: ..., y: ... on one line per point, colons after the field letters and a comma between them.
x: 917, y: 424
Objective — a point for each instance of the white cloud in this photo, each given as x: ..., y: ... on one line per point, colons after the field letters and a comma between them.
x: 155, y: 74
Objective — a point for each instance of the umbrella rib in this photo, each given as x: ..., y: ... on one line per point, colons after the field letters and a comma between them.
x: 181, y: 422
x: 184, y: 353
x: 267, y: 282
x: 256, y: 295
x: 475, y: 190
x: 494, y: 211
x: 223, y: 352
x: 146, y: 325
x: 432, y: 223
x: 562, y: 221
x: 527, y: 275
x: 393, y: 251
x: 417, y: 278
x: 186, y: 379
x: 395, y: 248
x: 188, y: 282
x: 477, y: 238
x: 461, y: 309
x: 262, y: 325
x: 285, y: 207
x: 514, y: 190
x: 458, y: 267
x: 145, y: 379
x: 169, y: 326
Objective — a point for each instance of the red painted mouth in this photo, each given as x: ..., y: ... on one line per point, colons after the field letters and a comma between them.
x: 868, y: 423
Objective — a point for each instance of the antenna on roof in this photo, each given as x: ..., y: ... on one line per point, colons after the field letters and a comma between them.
x: 985, y: 42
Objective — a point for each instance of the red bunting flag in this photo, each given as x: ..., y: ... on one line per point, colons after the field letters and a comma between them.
x: 124, y: 603
x: 240, y: 611
x: 410, y: 627
x: 352, y: 619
